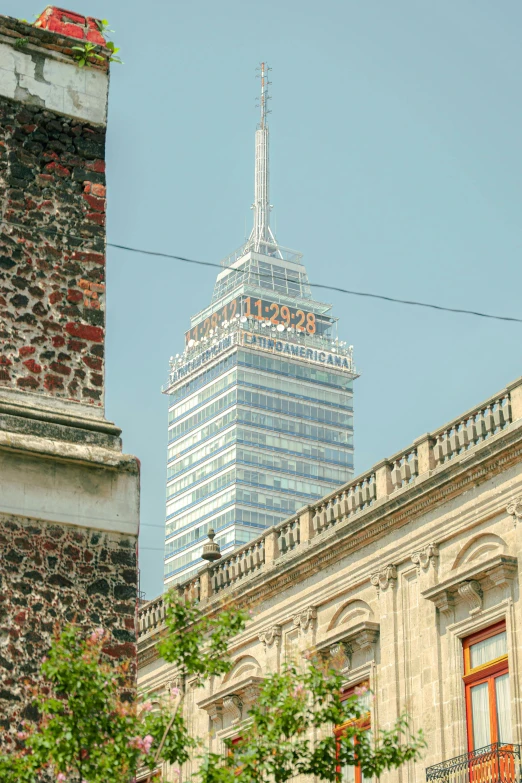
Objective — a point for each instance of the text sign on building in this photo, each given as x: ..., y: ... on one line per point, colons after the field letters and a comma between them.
x: 290, y: 350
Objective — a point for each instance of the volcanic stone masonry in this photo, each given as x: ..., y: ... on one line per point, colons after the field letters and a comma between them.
x: 69, y: 498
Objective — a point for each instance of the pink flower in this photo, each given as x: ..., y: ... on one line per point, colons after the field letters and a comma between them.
x: 61, y: 777
x: 97, y: 635
x: 298, y: 690
x: 360, y: 690
x: 142, y: 744
x: 174, y: 692
x: 22, y: 735
x: 307, y: 654
x: 146, y: 706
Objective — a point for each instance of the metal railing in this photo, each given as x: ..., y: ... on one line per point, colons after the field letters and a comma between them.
x: 496, y: 763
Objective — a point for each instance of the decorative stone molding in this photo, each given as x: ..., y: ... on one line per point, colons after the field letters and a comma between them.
x: 306, y: 618
x: 233, y: 706
x: 271, y: 636
x: 232, y: 701
x: 514, y: 508
x: 386, y: 577
x: 469, y: 584
x: 471, y: 592
x: 424, y: 558
x: 362, y: 636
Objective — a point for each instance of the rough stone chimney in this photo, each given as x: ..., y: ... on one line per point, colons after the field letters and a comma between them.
x: 69, y: 499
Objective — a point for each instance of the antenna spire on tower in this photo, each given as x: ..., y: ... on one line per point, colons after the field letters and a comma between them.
x: 262, y: 237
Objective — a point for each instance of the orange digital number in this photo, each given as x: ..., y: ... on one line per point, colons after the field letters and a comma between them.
x: 285, y: 315
x: 310, y: 323
x: 233, y: 308
x: 300, y: 323
x: 275, y: 318
x: 214, y: 320
x: 206, y: 326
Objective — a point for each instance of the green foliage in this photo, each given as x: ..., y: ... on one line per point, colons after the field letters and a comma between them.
x: 89, y: 729
x: 187, y: 628
x: 292, y: 708
x: 87, y: 54
x: 21, y: 42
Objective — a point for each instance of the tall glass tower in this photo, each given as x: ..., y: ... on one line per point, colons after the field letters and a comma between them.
x: 261, y: 399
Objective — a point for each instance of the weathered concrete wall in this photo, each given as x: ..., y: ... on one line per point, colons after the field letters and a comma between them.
x: 69, y: 498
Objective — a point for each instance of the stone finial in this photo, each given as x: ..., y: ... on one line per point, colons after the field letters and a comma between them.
x: 211, y: 550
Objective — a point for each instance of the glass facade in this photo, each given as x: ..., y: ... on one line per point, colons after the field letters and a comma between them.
x: 260, y: 414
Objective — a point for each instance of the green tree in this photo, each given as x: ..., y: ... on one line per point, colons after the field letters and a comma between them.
x: 92, y: 731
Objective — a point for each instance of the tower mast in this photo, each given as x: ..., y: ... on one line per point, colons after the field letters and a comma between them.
x: 262, y: 234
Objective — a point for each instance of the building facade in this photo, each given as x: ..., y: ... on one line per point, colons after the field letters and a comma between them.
x: 69, y: 498
x: 260, y: 401
x: 408, y: 579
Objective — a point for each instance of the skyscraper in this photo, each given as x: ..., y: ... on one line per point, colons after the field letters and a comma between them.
x: 261, y: 399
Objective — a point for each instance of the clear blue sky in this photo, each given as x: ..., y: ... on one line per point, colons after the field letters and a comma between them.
x: 396, y: 139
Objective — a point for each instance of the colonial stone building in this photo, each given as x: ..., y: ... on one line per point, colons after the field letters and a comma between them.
x: 69, y: 498
x: 409, y: 576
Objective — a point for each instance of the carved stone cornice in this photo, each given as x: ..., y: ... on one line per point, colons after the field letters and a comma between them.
x: 424, y: 558
x: 305, y: 618
x: 361, y: 636
x: 271, y: 636
x: 514, y: 509
x: 385, y: 578
x: 470, y: 583
x: 233, y: 699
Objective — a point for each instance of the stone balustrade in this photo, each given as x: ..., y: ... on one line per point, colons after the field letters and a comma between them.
x: 429, y: 453
x: 239, y: 564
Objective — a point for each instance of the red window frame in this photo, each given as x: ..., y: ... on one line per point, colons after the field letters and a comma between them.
x: 486, y: 672
x: 364, y: 723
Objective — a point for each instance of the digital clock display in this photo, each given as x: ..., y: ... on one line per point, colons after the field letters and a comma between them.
x: 261, y: 310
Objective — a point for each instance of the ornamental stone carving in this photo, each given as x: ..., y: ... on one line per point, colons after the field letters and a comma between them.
x: 385, y: 578
x: 233, y: 706
x: 271, y: 636
x: 215, y: 713
x: 424, y: 558
x: 305, y: 619
x: 471, y: 592
x: 514, y: 508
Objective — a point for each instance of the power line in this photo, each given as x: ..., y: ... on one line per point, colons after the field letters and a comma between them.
x: 324, y: 286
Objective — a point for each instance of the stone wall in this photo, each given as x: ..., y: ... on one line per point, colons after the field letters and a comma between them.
x: 52, y: 190
x: 52, y: 575
x: 69, y: 498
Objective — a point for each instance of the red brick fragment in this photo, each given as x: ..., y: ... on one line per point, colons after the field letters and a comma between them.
x: 74, y: 296
x: 85, y: 332
x: 56, y: 296
x: 76, y: 346
x: 94, y: 202
x: 5, y: 361
x: 97, y: 380
x: 28, y: 383
x: 4, y: 375
x: 96, y: 218
x: 56, y: 168
x: 96, y: 165
x: 53, y: 382
x: 27, y: 350
x: 58, y: 341
x: 93, y: 362
x: 33, y: 366
x: 60, y: 368
x: 97, y: 258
